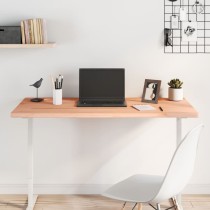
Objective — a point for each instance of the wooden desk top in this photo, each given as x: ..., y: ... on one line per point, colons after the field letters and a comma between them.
x: 45, y: 109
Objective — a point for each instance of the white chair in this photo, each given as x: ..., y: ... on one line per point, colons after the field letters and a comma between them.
x: 156, y: 189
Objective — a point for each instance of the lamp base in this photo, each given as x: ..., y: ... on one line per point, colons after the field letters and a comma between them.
x: 36, y: 99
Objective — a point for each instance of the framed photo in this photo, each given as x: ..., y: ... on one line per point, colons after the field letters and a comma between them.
x: 151, y: 91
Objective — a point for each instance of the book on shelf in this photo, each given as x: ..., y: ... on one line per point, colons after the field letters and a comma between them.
x: 26, y: 31
x: 23, y: 32
x: 34, y: 31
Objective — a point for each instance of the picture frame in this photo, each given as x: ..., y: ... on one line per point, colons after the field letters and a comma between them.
x: 151, y: 91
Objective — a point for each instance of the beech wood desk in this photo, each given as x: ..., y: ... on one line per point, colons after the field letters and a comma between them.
x: 29, y: 110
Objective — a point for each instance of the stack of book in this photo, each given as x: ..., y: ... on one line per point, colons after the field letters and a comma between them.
x: 34, y: 31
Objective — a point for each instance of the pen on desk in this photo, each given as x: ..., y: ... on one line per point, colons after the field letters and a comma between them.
x: 135, y: 108
x: 160, y: 108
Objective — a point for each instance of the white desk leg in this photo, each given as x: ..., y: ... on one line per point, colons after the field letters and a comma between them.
x: 31, y: 197
x: 178, y: 141
x: 178, y: 131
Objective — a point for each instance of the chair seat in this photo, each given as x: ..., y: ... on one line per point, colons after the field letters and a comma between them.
x: 137, y: 188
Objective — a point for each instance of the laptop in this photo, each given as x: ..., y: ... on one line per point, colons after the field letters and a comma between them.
x: 101, y: 87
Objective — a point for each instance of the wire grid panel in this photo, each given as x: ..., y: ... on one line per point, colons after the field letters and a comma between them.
x: 202, y: 45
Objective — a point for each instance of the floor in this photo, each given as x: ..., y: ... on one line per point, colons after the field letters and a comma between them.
x: 88, y: 202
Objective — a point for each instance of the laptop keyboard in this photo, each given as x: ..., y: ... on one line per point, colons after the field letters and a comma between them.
x: 103, y: 102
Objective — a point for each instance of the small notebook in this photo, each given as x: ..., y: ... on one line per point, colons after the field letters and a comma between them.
x: 143, y: 107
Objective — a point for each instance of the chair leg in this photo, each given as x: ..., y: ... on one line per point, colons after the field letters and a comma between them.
x: 139, y: 206
x: 178, y: 206
x: 123, y: 206
x: 158, y: 207
x: 134, y: 206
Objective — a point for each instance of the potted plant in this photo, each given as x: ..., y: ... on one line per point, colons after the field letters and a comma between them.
x: 175, y: 91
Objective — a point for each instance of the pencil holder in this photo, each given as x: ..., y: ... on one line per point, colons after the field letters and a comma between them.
x: 57, y: 96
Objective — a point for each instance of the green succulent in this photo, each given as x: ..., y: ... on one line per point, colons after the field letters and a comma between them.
x: 175, y: 83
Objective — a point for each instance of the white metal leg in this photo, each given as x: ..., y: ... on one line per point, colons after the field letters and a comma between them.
x: 158, y: 207
x: 178, y: 131
x: 31, y: 197
x: 177, y: 205
x: 178, y: 141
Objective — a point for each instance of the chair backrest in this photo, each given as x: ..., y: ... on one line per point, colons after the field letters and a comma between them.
x: 181, y: 167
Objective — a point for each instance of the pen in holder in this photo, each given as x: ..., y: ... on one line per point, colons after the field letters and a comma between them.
x: 57, y: 90
x: 57, y: 96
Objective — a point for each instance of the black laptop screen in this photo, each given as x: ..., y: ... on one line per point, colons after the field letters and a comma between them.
x: 102, y: 83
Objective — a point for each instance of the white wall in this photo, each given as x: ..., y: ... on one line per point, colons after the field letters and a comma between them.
x: 96, y: 152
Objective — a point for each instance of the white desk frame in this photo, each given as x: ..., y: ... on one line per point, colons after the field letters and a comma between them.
x: 31, y: 197
x: 46, y: 109
x: 178, y: 141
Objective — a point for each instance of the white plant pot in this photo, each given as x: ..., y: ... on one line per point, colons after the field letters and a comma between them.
x: 175, y: 94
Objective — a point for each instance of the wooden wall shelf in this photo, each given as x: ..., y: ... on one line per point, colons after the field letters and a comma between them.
x: 12, y: 46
